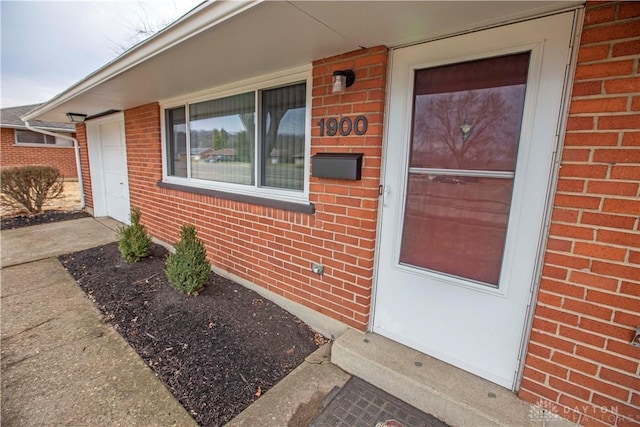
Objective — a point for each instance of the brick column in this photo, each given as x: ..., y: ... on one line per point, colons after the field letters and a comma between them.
x: 579, y: 362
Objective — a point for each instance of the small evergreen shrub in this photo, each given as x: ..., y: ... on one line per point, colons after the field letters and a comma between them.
x: 135, y: 242
x: 188, y: 269
x: 30, y: 187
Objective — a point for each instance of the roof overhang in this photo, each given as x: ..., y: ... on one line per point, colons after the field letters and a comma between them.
x: 221, y: 42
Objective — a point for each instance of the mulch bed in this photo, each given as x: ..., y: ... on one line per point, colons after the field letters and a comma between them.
x: 46, y: 217
x: 217, y: 352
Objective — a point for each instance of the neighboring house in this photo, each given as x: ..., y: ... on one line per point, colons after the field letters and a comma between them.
x: 494, y: 219
x: 21, y: 146
x: 200, y: 153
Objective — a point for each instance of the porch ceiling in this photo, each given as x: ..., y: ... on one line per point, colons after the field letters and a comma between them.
x: 221, y: 42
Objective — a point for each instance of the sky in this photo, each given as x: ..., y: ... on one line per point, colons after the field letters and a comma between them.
x: 47, y: 46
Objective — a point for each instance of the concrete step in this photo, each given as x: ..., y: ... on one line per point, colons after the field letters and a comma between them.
x: 448, y: 393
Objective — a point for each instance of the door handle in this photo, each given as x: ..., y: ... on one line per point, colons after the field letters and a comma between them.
x: 386, y: 189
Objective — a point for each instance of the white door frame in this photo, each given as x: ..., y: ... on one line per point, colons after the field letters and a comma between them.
x: 544, y: 210
x: 94, y: 148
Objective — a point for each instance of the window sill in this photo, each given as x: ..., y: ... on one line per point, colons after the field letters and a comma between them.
x: 307, y: 208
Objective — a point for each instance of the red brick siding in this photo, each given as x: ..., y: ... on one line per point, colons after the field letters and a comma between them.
x: 347, y: 210
x: 11, y: 154
x: 271, y: 247
x: 579, y: 358
x: 81, y: 130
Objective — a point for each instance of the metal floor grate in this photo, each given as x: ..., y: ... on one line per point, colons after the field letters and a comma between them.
x: 360, y: 404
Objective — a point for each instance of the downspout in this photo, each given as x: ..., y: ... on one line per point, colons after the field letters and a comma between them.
x: 76, y: 149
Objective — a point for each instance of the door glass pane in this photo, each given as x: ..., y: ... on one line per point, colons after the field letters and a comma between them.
x: 467, y: 119
x: 455, y: 227
x: 222, y: 139
x: 283, y: 126
x: 468, y: 116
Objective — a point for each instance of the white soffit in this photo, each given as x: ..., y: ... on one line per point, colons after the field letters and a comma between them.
x: 256, y: 38
x: 397, y: 23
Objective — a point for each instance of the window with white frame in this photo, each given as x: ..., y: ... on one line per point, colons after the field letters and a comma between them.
x: 254, y: 141
x: 25, y: 136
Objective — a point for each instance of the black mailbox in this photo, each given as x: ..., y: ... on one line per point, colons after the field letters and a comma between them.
x: 337, y: 165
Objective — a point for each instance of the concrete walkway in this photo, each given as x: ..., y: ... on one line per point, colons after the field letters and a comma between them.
x: 61, y: 365
x: 29, y: 244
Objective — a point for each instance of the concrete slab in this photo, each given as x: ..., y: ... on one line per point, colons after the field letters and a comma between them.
x: 296, y: 399
x: 61, y: 365
x: 38, y: 242
x: 450, y: 394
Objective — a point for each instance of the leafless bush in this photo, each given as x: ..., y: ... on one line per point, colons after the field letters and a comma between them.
x: 30, y: 187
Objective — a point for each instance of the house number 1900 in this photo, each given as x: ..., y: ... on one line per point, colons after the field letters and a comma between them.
x: 345, y: 126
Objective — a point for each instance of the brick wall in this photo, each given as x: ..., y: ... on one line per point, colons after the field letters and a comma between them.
x: 11, y: 154
x: 579, y: 358
x: 347, y: 211
x: 81, y: 130
x: 274, y: 248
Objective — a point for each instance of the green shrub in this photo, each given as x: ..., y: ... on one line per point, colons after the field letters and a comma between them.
x: 30, y: 187
x: 135, y: 242
x: 188, y: 269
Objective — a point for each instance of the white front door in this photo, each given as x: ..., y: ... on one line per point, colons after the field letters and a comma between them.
x: 108, y: 156
x: 470, y: 143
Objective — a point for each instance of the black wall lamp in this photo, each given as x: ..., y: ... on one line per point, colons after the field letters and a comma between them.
x: 342, y: 79
x: 76, y: 117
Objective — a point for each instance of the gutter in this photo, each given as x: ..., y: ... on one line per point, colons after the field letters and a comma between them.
x: 76, y: 149
x: 22, y: 126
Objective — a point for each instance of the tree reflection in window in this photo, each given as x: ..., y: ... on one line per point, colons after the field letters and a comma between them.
x: 464, y: 145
